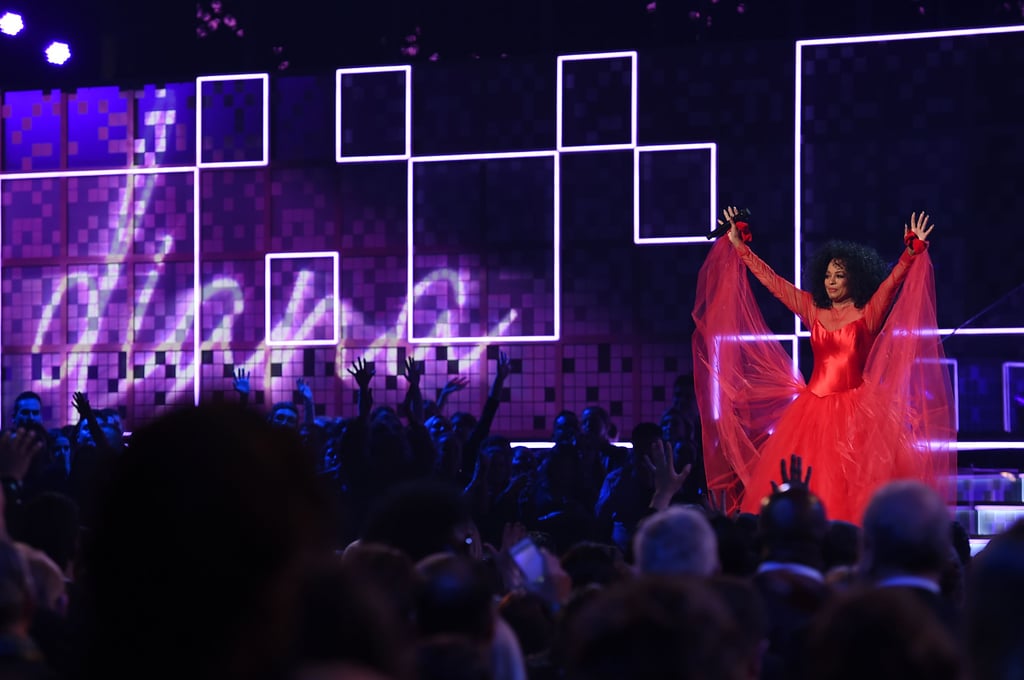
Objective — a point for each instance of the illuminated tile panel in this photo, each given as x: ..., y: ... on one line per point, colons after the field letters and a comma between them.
x: 233, y: 121
x: 596, y: 101
x: 32, y: 131
x: 373, y: 114
x: 29, y: 213
x: 483, y: 263
x: 98, y: 130
x: 302, y: 306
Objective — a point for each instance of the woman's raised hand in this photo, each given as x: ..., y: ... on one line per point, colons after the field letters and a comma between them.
x: 918, y: 226
x: 729, y: 215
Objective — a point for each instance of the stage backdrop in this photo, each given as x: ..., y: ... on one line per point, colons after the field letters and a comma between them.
x: 155, y: 239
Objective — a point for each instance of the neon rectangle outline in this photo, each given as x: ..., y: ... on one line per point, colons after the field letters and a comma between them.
x: 955, y: 363
x: 196, y: 222
x: 716, y: 403
x: 712, y: 148
x: 338, y: 74
x: 1007, y: 365
x: 798, y: 99
x: 596, y: 56
x: 336, y: 306
x: 556, y: 246
x: 200, y: 80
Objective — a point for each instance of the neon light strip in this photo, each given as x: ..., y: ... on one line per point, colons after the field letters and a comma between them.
x: 632, y: 56
x: 197, y: 290
x: 548, y: 445
x: 335, y: 304
x: 266, y: 121
x: 1007, y: 366
x: 984, y: 332
x: 61, y: 174
x: 888, y: 37
x: 338, y: 75
x: 484, y: 156
x: 712, y: 149
x: 983, y: 446
x: 410, y: 246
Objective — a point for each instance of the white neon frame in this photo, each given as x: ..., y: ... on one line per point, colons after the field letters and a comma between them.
x: 712, y: 149
x: 716, y: 399
x: 798, y: 134
x: 955, y: 363
x: 196, y: 222
x: 340, y: 73
x: 556, y: 246
x: 559, y: 94
x: 200, y: 81
x: 335, y: 307
x: 1007, y: 367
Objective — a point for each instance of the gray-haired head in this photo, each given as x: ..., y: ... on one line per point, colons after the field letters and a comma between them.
x: 678, y: 540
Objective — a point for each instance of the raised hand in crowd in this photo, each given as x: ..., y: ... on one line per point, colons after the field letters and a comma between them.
x: 85, y: 412
x: 667, y: 482
x: 412, y: 371
x: 503, y: 372
x: 240, y: 383
x: 793, y: 477
x: 363, y: 373
x: 305, y: 393
x: 456, y: 384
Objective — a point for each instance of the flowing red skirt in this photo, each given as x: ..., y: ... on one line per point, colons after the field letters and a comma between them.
x: 756, y: 411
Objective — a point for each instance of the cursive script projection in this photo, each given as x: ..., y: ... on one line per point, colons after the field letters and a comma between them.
x: 298, y: 328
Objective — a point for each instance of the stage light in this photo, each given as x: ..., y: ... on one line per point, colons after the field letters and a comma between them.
x: 11, y: 24
x: 58, y: 53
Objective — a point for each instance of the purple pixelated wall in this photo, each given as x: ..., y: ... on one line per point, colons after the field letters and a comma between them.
x: 153, y: 240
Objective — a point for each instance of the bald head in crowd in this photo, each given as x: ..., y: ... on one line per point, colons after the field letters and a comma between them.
x: 676, y: 541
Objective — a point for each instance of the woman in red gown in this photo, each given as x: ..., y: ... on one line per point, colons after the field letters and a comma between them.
x: 878, y: 405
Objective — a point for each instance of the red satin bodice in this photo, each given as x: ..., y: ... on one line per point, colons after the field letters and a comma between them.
x: 839, y: 356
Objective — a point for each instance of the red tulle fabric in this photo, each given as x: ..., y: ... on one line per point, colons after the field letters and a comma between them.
x: 878, y: 408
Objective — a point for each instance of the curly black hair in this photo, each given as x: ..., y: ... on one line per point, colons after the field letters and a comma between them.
x: 865, y: 271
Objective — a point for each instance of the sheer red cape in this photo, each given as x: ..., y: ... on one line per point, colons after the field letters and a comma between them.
x: 755, y: 408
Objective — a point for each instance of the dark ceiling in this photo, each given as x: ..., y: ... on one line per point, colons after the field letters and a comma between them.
x: 125, y: 42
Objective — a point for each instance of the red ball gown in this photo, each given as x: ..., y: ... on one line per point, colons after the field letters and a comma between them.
x: 878, y: 406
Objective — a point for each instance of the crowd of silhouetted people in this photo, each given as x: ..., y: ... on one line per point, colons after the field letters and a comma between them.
x: 401, y: 543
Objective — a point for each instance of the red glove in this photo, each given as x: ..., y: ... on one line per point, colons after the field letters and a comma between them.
x: 916, y: 245
x: 744, y: 230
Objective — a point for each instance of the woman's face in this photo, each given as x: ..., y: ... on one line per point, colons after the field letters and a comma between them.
x: 835, y: 282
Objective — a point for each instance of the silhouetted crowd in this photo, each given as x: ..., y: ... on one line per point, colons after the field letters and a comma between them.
x: 402, y: 544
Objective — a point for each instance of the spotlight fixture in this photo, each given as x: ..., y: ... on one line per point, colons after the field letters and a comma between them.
x: 58, y: 53
x: 11, y: 23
